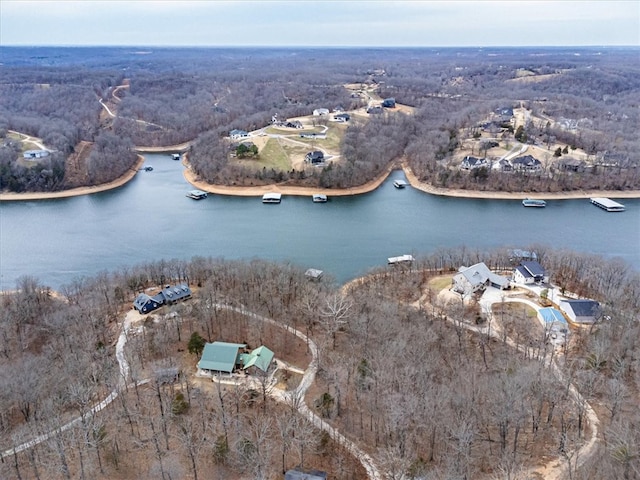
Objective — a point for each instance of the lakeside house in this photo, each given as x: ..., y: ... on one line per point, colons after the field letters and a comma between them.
x: 169, y: 295
x: 470, y: 163
x: 469, y: 280
x: 530, y: 272
x: 320, y: 112
x: 526, y: 163
x: 225, y: 357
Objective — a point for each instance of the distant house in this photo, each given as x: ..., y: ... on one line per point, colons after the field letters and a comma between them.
x: 581, y: 311
x: 298, y: 474
x: 314, y: 157
x: 569, y: 164
x: 238, y: 134
x: 530, y: 272
x: 469, y: 163
x: 389, y: 102
x: 526, y: 163
x: 167, y: 296
x: 377, y: 110
x: 31, y: 154
x: 313, y: 273
x: 220, y: 357
x: 477, y: 277
x: 517, y: 255
x: 319, y: 112
x: 342, y: 117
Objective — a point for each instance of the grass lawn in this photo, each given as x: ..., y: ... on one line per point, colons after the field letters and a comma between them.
x: 440, y: 283
x: 272, y: 155
x: 25, y: 145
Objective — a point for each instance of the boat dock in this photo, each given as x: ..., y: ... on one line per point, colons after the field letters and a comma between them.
x: 607, y: 204
x: 400, y: 260
x: 271, y: 198
x: 197, y: 194
x: 532, y: 202
x: 399, y: 183
x: 319, y: 198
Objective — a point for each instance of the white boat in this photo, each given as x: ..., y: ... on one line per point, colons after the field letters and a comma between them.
x: 175, y: 156
x: 607, y: 204
x: 532, y: 202
x: 399, y: 183
x: 197, y: 194
x: 319, y: 198
x: 271, y: 198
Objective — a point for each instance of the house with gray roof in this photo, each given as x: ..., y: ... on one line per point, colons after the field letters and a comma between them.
x: 477, y: 277
x: 530, y: 272
x: 469, y: 163
x: 526, y: 163
x: 31, y: 154
x: 314, y: 157
x: 167, y: 296
x: 581, y: 311
x: 237, y: 134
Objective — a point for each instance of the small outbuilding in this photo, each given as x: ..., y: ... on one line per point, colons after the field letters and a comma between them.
x: 31, y: 154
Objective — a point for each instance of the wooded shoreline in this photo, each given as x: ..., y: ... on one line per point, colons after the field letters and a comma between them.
x: 255, y: 191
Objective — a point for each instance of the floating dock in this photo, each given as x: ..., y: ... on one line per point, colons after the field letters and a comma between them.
x: 531, y: 202
x: 399, y: 183
x: 271, y: 198
x: 400, y: 260
x: 197, y: 194
x: 607, y: 204
x: 319, y: 198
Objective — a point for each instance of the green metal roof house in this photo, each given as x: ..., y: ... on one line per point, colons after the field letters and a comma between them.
x: 220, y: 357
x: 260, y: 358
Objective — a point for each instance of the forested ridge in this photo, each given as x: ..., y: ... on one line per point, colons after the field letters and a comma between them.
x: 199, y: 95
x: 416, y: 382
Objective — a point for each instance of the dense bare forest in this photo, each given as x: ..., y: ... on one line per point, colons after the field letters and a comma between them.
x: 426, y: 387
x: 578, y: 100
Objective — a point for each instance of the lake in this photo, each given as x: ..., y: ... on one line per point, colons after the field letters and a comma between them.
x: 151, y: 218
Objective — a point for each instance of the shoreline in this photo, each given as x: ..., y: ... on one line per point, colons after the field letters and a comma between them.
x: 75, y: 192
x: 255, y: 191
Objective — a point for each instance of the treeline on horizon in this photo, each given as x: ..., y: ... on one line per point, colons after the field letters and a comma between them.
x: 429, y: 398
x: 199, y: 95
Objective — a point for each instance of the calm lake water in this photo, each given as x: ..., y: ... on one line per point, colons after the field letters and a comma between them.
x: 151, y: 218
